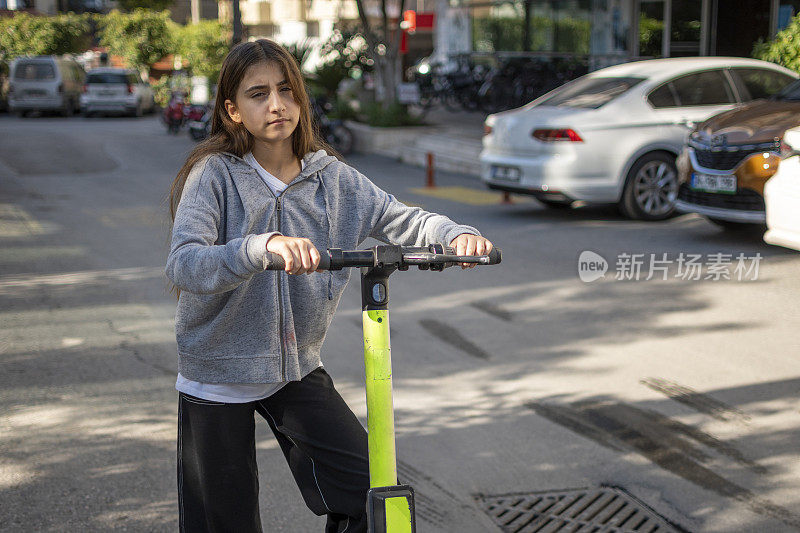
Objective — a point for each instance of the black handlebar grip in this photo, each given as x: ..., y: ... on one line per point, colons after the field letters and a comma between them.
x: 275, y: 261
x: 495, y: 256
x: 324, y: 260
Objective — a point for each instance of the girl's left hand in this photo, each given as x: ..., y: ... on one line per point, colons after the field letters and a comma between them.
x: 468, y: 244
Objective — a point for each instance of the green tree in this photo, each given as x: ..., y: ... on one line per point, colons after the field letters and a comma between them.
x: 204, y: 45
x: 345, y: 54
x: 300, y: 51
x: 25, y: 34
x: 383, y: 34
x: 784, y: 49
x: 141, y: 37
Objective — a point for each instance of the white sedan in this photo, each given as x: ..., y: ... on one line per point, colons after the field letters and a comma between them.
x: 613, y: 135
x: 782, y: 196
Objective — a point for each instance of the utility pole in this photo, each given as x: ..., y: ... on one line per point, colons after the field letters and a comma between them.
x: 237, y: 24
x: 526, y: 33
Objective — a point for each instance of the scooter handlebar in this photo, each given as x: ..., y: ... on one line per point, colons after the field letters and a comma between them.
x: 336, y: 259
x: 495, y: 256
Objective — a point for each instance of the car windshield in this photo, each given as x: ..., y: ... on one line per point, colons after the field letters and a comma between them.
x: 106, y: 77
x: 590, y: 92
x: 792, y: 92
x: 34, y: 70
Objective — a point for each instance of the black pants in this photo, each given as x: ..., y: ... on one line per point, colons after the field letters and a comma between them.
x: 321, y: 438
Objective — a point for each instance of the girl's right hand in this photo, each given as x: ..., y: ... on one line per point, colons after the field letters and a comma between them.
x: 300, y: 255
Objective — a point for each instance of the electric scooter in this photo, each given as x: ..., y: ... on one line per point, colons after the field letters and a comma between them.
x: 390, y: 506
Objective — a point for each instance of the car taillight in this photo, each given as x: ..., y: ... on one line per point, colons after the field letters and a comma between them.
x: 487, y: 130
x: 85, y: 89
x: 130, y: 89
x: 557, y: 134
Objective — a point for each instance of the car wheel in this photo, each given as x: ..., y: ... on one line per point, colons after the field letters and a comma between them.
x: 651, y: 188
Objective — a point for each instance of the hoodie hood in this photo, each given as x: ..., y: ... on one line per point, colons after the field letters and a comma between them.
x: 313, y: 162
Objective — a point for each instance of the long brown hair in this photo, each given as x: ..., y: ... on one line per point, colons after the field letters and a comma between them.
x: 228, y: 136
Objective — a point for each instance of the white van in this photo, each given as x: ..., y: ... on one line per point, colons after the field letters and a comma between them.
x: 45, y: 83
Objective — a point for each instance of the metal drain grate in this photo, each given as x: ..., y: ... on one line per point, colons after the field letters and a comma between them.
x: 607, y: 509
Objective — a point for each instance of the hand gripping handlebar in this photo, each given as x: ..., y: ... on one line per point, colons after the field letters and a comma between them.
x: 433, y: 257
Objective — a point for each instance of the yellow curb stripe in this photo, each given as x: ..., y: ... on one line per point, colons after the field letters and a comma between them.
x: 464, y: 195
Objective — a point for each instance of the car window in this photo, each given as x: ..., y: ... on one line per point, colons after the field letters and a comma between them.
x: 34, y: 70
x: 762, y: 83
x: 792, y: 92
x: 664, y: 96
x: 590, y: 92
x: 703, y: 88
x: 106, y: 77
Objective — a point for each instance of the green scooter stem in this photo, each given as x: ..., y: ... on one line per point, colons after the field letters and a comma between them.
x: 390, y: 507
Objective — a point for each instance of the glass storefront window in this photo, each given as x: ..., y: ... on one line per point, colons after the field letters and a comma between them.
x: 787, y: 9
x: 555, y: 26
x: 651, y: 28
x: 686, y: 28
x: 498, y: 28
x: 611, y: 25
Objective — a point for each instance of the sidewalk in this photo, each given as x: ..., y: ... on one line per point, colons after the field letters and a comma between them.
x: 454, y: 140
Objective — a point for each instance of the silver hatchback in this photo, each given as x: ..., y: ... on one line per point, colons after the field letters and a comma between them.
x: 116, y: 90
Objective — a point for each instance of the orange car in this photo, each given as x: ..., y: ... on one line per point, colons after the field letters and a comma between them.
x: 730, y: 156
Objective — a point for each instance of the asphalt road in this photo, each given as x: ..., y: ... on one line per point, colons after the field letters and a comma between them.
x: 509, y: 380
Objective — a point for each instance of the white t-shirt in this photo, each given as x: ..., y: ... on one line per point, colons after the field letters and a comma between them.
x: 238, y: 392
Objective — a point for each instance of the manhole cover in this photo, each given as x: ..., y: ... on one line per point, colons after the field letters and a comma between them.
x: 606, y: 509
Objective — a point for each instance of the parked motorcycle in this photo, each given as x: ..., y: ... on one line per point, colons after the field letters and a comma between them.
x: 173, y: 115
x: 200, y: 127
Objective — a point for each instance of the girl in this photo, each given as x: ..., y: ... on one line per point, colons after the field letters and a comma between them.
x: 249, y: 340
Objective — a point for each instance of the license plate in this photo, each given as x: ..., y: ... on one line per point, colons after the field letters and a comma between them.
x: 505, y: 173
x: 36, y: 94
x: 725, y: 184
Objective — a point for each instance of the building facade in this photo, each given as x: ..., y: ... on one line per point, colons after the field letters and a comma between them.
x: 613, y: 31
x: 291, y: 21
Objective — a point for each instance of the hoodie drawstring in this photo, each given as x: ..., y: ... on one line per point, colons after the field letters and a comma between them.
x: 330, y: 231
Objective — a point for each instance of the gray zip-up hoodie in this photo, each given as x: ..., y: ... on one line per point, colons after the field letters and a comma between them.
x: 236, y: 322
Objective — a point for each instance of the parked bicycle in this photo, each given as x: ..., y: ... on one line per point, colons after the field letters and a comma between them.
x: 333, y: 130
